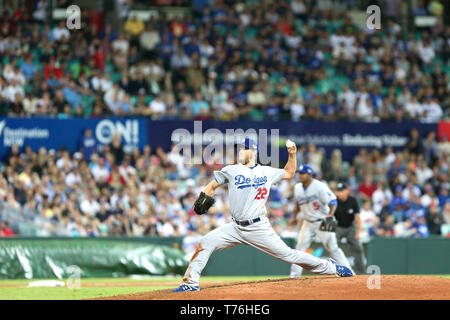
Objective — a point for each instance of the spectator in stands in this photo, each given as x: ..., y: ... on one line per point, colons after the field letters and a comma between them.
x: 157, y: 107
x: 149, y: 39
x: 314, y: 158
x: 28, y: 68
x: 198, y: 105
x: 180, y: 60
x: 5, y: 230
x: 367, y: 189
x: 446, y: 213
x: 369, y: 221
x: 436, y: 8
x: 134, y: 26
x: 434, y: 220
x: 432, y: 110
x: 113, y: 97
x: 398, y: 205
x: 414, y: 144
x: 60, y: 31
x: 116, y: 148
x: 88, y: 144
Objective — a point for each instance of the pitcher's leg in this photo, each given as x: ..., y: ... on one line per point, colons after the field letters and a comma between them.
x: 303, y: 242
x: 266, y: 239
x: 218, y: 239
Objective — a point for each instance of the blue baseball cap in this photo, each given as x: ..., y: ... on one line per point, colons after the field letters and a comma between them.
x: 305, y: 168
x: 249, y: 144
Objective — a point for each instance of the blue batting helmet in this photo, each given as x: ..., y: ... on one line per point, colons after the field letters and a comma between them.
x: 305, y: 168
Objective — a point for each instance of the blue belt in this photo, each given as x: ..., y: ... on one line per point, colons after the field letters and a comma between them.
x: 247, y: 222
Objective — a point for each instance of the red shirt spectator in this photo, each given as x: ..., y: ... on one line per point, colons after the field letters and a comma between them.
x: 115, y: 179
x: 284, y: 27
x: 5, y: 230
x: 177, y: 28
x: 52, y: 71
x: 368, y: 188
x: 99, y: 58
x: 164, y: 2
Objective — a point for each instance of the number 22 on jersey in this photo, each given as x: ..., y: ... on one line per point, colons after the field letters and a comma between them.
x: 261, y: 193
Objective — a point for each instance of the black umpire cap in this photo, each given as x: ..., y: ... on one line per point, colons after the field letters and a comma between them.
x: 341, y: 186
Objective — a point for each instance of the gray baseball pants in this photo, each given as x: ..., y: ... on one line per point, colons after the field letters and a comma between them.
x: 259, y: 235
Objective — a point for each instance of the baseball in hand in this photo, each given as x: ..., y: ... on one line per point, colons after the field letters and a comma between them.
x: 289, y: 144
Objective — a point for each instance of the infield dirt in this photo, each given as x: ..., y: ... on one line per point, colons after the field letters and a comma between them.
x: 391, y: 287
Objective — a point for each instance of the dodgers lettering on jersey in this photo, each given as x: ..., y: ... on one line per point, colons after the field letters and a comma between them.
x: 314, y: 200
x: 248, y: 188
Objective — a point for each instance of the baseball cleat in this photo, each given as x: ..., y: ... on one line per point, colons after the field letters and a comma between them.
x: 341, y: 271
x: 186, y: 287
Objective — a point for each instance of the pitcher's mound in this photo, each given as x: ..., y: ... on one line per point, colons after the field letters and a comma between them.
x: 389, y: 287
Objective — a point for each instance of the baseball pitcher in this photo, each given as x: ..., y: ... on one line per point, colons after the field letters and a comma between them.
x: 315, y: 207
x: 249, y: 185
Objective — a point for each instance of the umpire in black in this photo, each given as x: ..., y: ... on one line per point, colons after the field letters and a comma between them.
x: 347, y: 213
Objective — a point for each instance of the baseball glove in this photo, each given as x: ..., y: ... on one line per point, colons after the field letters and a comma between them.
x: 203, y: 203
x: 328, y: 224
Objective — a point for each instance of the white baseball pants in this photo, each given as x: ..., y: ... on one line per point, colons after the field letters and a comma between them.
x: 328, y: 239
x: 259, y: 235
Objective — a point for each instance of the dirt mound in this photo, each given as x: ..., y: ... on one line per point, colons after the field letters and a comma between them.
x: 391, y: 287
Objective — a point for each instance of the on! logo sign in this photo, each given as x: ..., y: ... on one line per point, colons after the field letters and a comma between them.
x: 106, y: 129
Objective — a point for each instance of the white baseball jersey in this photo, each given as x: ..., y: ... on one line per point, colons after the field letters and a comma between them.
x: 248, y: 188
x: 314, y: 200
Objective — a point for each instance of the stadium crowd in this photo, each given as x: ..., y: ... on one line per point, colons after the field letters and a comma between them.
x: 229, y: 60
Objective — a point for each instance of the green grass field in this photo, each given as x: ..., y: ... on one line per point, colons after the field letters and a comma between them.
x: 105, y: 287
x: 17, y: 289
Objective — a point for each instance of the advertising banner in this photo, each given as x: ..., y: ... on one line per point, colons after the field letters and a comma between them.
x: 348, y: 137
x: 57, y: 133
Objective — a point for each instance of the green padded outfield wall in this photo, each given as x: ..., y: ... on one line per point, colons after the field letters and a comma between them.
x: 50, y: 258
x: 410, y: 256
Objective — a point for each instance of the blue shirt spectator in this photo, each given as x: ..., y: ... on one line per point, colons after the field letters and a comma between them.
x: 398, y: 205
x: 422, y: 228
x: 443, y: 196
x: 198, y: 104
x: 125, y: 106
x: 71, y: 94
x: 88, y: 144
x: 419, y: 9
x: 273, y: 111
x: 415, y: 211
x: 328, y: 108
x: 191, y: 47
x: 199, y: 4
x: 28, y: 69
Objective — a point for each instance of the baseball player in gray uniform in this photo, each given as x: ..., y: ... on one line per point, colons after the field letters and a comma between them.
x: 315, y: 207
x: 249, y: 185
